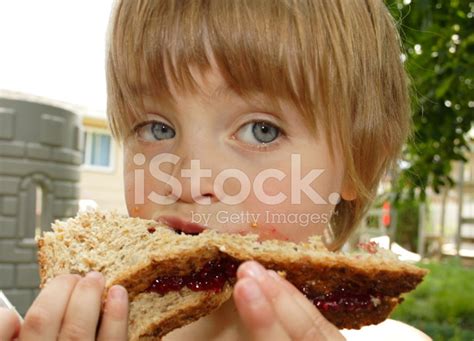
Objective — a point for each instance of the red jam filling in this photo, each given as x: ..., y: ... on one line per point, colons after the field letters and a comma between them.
x: 212, y: 276
x: 216, y: 273
x: 341, y: 300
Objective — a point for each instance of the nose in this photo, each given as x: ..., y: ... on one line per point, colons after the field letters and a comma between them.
x: 196, y: 181
x: 195, y: 174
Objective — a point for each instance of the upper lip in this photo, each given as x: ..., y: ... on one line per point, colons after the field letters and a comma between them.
x: 180, y: 224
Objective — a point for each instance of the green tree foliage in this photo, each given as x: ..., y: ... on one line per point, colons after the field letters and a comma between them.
x: 441, y: 305
x: 438, y: 43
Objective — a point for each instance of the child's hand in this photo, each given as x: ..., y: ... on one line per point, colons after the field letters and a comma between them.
x: 273, y: 309
x: 9, y: 324
x: 69, y: 308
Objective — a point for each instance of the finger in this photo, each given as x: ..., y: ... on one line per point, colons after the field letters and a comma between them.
x: 9, y: 324
x: 82, y: 315
x: 114, y: 324
x: 294, y: 320
x: 43, y: 319
x: 329, y: 331
x: 299, y: 323
x: 256, y: 312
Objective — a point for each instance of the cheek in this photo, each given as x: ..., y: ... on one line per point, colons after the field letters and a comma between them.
x: 133, y: 191
x: 129, y: 183
x: 292, y: 221
x: 232, y: 187
x: 138, y: 183
x: 274, y: 186
x: 323, y: 189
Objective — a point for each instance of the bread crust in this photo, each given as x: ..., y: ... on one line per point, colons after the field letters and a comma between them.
x: 359, y: 318
x: 192, y: 306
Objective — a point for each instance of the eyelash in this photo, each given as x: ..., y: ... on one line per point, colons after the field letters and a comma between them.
x: 142, y: 124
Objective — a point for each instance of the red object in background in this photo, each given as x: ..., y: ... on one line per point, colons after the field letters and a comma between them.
x: 386, y: 214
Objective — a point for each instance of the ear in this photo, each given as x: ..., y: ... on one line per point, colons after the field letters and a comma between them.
x: 348, y: 191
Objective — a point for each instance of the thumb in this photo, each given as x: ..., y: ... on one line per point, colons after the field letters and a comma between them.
x: 9, y: 324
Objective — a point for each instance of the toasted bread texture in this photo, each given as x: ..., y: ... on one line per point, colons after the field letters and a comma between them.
x: 133, y: 252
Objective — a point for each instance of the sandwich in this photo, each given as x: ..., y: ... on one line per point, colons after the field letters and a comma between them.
x: 174, y: 278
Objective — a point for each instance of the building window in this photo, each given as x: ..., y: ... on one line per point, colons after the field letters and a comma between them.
x: 97, y: 149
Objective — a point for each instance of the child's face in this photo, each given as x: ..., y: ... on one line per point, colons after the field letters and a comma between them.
x: 225, y: 133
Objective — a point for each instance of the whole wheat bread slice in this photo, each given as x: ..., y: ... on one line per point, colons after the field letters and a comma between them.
x: 133, y: 252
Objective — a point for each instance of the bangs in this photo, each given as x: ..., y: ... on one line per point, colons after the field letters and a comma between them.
x: 256, y: 46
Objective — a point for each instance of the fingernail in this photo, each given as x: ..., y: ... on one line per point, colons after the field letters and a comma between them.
x: 251, y: 291
x: 94, y: 275
x: 255, y: 270
x: 118, y: 292
x: 274, y: 275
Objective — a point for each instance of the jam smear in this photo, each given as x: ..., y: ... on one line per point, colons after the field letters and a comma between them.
x: 370, y: 247
x: 213, y: 275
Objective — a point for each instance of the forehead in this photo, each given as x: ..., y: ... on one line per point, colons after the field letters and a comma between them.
x: 209, y: 86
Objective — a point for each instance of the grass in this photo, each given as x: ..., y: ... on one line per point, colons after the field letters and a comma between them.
x: 443, y: 305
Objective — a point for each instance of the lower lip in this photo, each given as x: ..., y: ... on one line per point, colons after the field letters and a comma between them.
x: 181, y: 225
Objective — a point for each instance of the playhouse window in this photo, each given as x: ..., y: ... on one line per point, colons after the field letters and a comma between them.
x: 97, y: 149
x: 38, y: 209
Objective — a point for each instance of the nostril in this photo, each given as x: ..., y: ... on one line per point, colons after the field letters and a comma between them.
x: 211, y: 196
x: 206, y: 198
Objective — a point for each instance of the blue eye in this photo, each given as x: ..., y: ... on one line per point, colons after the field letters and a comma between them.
x: 155, y: 131
x: 258, y: 132
x: 162, y: 131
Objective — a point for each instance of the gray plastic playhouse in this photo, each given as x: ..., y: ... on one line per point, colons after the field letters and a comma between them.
x: 40, y: 155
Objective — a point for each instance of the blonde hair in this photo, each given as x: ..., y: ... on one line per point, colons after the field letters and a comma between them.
x: 337, y: 61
